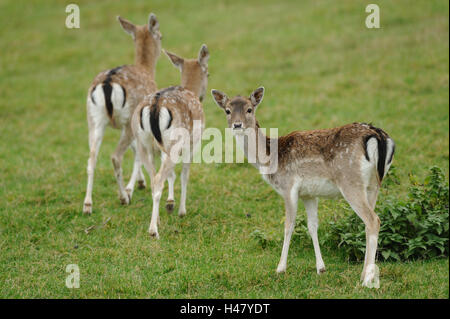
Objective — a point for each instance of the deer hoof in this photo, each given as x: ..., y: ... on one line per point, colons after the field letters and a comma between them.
x: 153, y: 233
x: 125, y: 200
x: 372, y: 277
x: 87, y: 208
x: 170, y: 205
x: 281, y: 269
x: 141, y: 184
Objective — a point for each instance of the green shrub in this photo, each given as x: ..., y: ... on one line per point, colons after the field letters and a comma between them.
x: 262, y: 238
x: 417, y: 228
x: 301, y: 233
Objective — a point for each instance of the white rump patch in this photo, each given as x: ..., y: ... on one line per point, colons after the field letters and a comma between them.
x: 390, y: 148
x: 97, y: 111
x: 146, y: 119
x: 372, y: 149
x: 117, y: 96
x: 98, y: 95
x: 368, y: 168
x: 164, y: 119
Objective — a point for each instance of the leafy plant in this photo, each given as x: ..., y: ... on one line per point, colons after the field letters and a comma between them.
x: 417, y: 228
x: 301, y: 229
x: 262, y: 238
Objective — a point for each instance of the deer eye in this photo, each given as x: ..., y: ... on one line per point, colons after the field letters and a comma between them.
x: 249, y: 110
x: 227, y: 111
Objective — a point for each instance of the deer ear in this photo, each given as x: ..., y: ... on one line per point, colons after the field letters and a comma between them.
x: 220, y: 98
x: 176, y: 60
x: 129, y: 27
x: 257, y: 96
x: 203, y: 56
x: 153, y: 24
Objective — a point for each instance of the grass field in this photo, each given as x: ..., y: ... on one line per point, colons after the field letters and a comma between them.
x: 321, y: 68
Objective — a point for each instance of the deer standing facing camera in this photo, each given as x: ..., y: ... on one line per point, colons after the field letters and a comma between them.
x: 348, y: 161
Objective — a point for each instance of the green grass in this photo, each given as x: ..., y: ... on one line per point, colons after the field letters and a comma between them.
x: 321, y: 68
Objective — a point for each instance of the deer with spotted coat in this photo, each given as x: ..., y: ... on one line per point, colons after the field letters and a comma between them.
x: 158, y: 116
x: 348, y: 161
x: 112, y: 98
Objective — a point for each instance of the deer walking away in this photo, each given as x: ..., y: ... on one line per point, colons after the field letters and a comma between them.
x: 158, y: 116
x: 111, y: 100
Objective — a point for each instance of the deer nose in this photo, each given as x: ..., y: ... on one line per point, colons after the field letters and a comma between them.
x: 237, y: 125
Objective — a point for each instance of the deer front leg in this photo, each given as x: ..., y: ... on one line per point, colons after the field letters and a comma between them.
x: 157, y: 189
x: 313, y: 224
x: 136, y: 174
x: 290, y: 201
x: 141, y: 179
x: 125, y: 140
x: 170, y: 203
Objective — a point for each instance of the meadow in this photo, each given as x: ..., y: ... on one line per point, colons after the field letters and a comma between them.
x: 321, y: 67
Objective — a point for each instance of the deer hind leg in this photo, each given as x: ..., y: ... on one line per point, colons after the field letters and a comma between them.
x: 125, y: 140
x: 372, y: 195
x: 185, y: 175
x: 290, y: 201
x: 95, y: 141
x: 372, y: 191
x: 147, y: 160
x: 358, y: 200
x: 311, y: 205
x: 157, y: 187
x: 184, y: 182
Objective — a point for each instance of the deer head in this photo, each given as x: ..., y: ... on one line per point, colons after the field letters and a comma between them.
x: 194, y: 72
x: 240, y: 111
x: 147, y: 39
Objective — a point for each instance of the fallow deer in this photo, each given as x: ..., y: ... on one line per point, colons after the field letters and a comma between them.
x: 111, y: 100
x: 350, y: 160
x: 160, y: 114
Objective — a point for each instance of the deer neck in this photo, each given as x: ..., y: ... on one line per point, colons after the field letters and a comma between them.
x: 145, y: 57
x: 191, y: 83
x: 256, y: 147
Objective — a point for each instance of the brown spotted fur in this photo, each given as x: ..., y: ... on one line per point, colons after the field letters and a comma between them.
x: 184, y: 106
